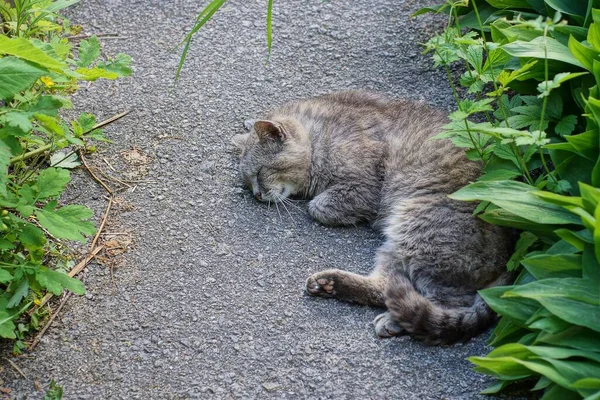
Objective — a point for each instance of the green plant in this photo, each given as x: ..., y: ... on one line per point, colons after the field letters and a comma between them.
x: 39, y: 69
x: 206, y: 15
x: 529, y: 109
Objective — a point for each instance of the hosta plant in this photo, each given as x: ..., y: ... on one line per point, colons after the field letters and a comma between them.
x: 529, y: 111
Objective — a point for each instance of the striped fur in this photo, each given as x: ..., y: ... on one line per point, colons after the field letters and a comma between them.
x: 362, y: 157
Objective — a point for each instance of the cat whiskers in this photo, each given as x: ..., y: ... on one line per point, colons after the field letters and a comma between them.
x: 283, y: 200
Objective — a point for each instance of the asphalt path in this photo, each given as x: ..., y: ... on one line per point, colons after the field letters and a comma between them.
x: 208, y: 301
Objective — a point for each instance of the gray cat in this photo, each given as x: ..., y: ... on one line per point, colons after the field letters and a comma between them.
x: 362, y: 157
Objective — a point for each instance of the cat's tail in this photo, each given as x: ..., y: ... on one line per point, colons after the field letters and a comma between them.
x: 431, y: 323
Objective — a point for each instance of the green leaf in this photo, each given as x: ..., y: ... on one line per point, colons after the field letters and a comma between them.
x: 119, y: 65
x: 23, y: 48
x: 32, y: 237
x: 523, y: 244
x: 56, y: 281
x: 20, y: 292
x: 89, y: 51
x: 543, y: 266
x: 62, y: 160
x: 504, y: 218
x: 584, y: 54
x: 517, y: 198
x: 17, y: 75
x: 52, y: 124
x: 576, y: 239
x: 86, y: 122
x: 568, y: 6
x: 5, y: 276
x: 18, y: 119
x: 7, y: 327
x: 518, y: 309
x: 566, y: 125
x: 573, y: 299
x: 68, y: 222
x: 576, y: 337
x: 535, y: 49
x: 590, y: 265
x: 49, y: 105
x: 51, y: 182
x: 94, y: 73
x: 55, y: 392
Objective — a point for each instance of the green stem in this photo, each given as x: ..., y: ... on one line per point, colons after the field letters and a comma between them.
x: 30, y: 154
x: 545, y: 104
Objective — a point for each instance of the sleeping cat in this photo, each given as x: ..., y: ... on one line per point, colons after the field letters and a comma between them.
x: 362, y: 157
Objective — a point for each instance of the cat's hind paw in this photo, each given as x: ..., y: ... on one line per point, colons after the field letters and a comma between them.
x: 386, y: 327
x: 320, y: 286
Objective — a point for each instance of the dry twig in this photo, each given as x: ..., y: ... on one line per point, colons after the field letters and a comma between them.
x: 16, y: 367
x: 45, y: 328
x: 76, y: 269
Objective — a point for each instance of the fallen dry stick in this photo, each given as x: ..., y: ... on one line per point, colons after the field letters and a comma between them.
x: 104, y: 218
x: 45, y: 328
x: 77, y: 269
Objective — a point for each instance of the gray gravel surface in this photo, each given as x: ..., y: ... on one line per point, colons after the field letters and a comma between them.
x: 209, y: 302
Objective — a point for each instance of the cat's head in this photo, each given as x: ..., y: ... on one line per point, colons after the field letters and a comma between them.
x: 275, y: 159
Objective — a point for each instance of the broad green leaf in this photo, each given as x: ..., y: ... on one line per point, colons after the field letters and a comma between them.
x: 590, y: 265
x: 570, y: 288
x: 23, y: 48
x: 508, y: 368
x: 7, y: 327
x: 518, y: 309
x: 571, y: 299
x: 19, y: 120
x: 19, y: 292
x: 576, y: 337
x: 535, y: 49
x: 49, y: 105
x: 559, y: 199
x: 507, y: 331
x: 550, y: 324
x: 544, y: 266
x: 89, y: 51
x: 5, y: 276
x: 576, y: 239
x: 584, y: 54
x: 52, y: 124
x: 568, y: 6
x: 504, y: 218
x: 517, y: 198
x: 590, y: 197
x: 32, y: 237
x: 119, y: 65
x: 56, y: 281
x: 68, y: 222
x: 51, y: 182
x: 587, y: 383
x: 86, y: 122
x: 63, y: 160
x: 17, y: 75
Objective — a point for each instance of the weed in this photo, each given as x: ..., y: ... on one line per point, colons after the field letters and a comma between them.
x: 39, y: 69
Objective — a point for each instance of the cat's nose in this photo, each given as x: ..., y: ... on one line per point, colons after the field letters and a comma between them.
x: 258, y: 196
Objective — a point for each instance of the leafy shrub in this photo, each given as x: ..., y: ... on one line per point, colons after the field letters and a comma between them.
x: 38, y: 70
x: 529, y: 109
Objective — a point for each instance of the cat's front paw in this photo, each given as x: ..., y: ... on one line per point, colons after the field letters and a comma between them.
x: 386, y: 327
x: 319, y: 285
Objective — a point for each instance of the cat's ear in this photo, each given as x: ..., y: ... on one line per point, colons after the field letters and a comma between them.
x: 239, y: 141
x: 270, y: 130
